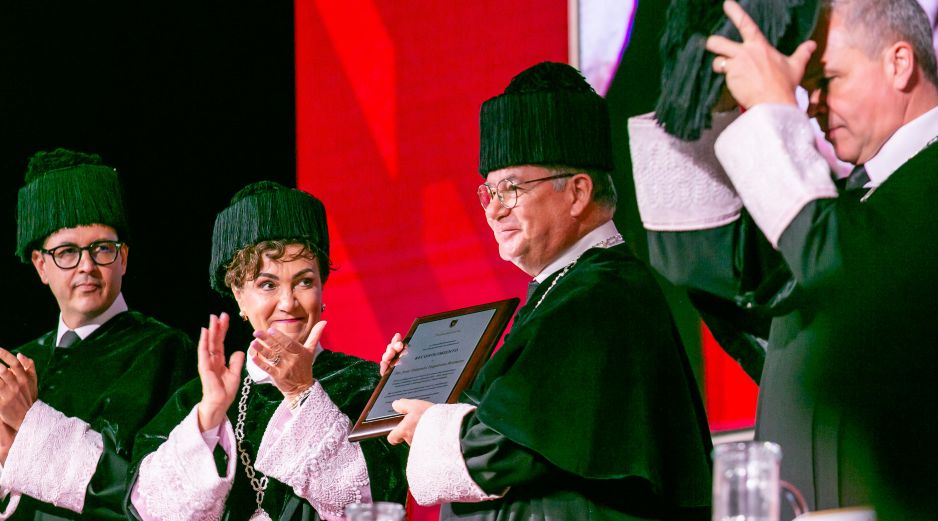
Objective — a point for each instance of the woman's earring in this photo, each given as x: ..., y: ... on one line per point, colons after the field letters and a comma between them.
x: 243, y: 316
x: 323, y: 307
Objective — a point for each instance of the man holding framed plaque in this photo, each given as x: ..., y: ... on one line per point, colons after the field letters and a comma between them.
x: 589, y: 409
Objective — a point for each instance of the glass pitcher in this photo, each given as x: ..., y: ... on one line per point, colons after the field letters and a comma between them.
x: 746, y: 485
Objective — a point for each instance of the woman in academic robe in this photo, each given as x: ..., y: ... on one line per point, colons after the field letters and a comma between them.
x: 269, y: 441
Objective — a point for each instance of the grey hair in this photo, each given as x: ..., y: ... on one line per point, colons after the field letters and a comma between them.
x: 885, y: 22
x: 604, y: 191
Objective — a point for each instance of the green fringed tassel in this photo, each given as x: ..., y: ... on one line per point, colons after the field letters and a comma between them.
x: 266, y: 211
x: 689, y: 87
x: 548, y: 115
x: 66, y: 189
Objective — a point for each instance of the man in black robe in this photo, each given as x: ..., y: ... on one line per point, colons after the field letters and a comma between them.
x: 589, y: 409
x: 850, y: 359
x: 72, y: 400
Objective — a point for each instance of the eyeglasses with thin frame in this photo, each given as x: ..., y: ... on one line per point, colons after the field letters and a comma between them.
x: 67, y: 256
x: 506, y: 190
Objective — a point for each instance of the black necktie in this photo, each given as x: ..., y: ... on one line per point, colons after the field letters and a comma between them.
x: 69, y: 339
x: 532, y: 287
x: 857, y: 179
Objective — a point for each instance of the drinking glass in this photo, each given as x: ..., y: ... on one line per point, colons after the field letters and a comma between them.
x: 379, y: 511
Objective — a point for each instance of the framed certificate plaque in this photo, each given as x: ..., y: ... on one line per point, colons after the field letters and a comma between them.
x: 444, y: 353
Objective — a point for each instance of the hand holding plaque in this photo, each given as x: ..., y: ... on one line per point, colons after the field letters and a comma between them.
x: 443, y: 354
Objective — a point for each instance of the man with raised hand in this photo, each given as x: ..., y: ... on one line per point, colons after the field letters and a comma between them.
x: 863, y: 255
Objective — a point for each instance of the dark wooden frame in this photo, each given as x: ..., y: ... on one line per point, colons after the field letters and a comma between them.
x: 504, y: 309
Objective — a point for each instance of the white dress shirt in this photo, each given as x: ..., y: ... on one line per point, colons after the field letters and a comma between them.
x: 599, y: 234
x: 909, y: 140
x: 117, y: 307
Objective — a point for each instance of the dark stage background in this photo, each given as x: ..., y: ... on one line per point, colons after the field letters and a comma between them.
x: 188, y: 100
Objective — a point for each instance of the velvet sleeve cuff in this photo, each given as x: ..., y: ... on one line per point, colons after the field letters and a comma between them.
x: 308, y: 449
x: 769, y: 154
x: 53, y: 458
x: 680, y: 185
x: 436, y: 470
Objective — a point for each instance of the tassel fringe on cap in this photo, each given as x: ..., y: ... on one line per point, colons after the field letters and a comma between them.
x: 266, y: 211
x: 67, y: 189
x: 689, y: 87
x: 548, y: 115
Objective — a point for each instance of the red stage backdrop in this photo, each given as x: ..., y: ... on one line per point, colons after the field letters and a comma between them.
x: 388, y: 97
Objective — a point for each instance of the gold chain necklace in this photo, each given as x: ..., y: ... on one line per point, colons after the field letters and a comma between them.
x: 608, y: 242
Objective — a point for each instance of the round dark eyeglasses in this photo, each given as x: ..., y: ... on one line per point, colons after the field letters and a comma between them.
x: 67, y: 256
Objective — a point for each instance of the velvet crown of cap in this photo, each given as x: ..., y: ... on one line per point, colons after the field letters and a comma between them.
x: 549, y: 76
x: 66, y: 189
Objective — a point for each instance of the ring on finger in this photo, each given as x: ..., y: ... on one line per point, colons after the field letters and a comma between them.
x: 275, y: 360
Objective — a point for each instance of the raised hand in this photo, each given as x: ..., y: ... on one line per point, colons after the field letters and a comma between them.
x: 394, y: 351
x: 288, y: 362
x: 755, y: 71
x: 219, y: 382
x: 18, y: 388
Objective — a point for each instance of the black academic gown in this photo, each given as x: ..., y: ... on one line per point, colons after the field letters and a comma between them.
x: 850, y: 296
x: 348, y: 381
x: 870, y: 272
x: 116, y: 379
x: 590, y: 409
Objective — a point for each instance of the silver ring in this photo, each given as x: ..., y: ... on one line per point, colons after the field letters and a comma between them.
x: 275, y: 360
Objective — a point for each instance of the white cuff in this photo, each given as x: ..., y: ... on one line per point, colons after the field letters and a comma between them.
x: 53, y: 458
x: 770, y: 155
x: 680, y: 185
x: 11, y: 505
x: 436, y: 469
x: 311, y: 453
x: 180, y: 481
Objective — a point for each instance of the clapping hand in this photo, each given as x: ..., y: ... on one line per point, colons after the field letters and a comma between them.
x: 219, y: 382
x: 19, y: 387
x: 288, y: 362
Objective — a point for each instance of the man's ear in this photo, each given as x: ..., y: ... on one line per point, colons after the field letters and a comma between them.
x: 900, y: 65
x: 39, y: 262
x: 582, y: 192
x: 125, y: 251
